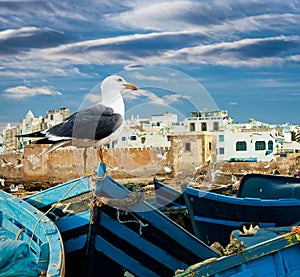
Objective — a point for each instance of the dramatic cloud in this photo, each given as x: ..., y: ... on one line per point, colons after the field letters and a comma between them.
x: 246, y: 52
x: 14, y: 41
x: 74, y: 44
x: 20, y: 92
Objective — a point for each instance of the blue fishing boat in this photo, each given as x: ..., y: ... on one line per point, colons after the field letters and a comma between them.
x: 277, y: 256
x: 214, y: 216
x: 167, y: 197
x: 108, y: 230
x: 268, y: 199
x: 30, y: 243
x: 266, y: 186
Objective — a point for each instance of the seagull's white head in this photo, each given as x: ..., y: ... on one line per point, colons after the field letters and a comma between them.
x: 112, y: 88
x: 115, y: 84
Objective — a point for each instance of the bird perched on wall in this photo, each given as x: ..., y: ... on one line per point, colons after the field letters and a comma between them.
x: 95, y: 126
x: 248, y: 229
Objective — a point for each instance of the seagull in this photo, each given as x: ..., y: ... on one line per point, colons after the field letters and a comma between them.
x: 95, y: 126
x: 5, y: 163
x: 19, y: 164
x: 167, y: 168
x: 196, y: 166
x: 2, y: 182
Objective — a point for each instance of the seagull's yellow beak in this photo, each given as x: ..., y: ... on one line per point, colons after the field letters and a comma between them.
x: 131, y: 86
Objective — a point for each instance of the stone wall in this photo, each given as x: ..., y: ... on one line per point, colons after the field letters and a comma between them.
x: 66, y: 164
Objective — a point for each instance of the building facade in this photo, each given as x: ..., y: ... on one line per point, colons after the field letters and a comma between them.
x: 246, y: 145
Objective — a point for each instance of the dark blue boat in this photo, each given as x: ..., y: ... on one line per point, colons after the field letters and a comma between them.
x: 127, y: 235
x: 30, y: 243
x: 167, y: 197
x: 269, y: 186
x: 214, y: 216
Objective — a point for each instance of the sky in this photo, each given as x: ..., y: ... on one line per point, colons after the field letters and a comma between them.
x: 240, y: 56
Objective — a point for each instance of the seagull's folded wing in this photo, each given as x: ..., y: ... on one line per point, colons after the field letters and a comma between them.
x: 94, y: 123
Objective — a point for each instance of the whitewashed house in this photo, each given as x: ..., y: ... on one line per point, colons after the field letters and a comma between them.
x: 246, y: 145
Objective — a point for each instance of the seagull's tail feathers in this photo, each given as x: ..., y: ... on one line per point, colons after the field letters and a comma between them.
x: 31, y: 135
x: 54, y: 146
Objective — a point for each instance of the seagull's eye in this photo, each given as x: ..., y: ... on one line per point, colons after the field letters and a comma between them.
x: 119, y: 80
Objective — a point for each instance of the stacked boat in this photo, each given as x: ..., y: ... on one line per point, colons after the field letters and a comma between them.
x: 272, y: 201
x: 93, y: 226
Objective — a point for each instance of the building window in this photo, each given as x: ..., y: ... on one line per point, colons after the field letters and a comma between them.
x: 209, y: 146
x: 260, y: 145
x: 270, y: 145
x: 187, y: 146
x: 216, y: 126
x: 221, y: 138
x: 123, y: 138
x: 241, y: 146
x: 192, y: 127
x: 221, y: 151
x: 203, y: 126
x: 132, y: 137
x: 51, y: 116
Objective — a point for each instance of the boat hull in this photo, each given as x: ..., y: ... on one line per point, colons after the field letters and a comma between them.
x: 105, y: 240
x: 214, y: 216
x: 276, y: 257
x: 22, y: 222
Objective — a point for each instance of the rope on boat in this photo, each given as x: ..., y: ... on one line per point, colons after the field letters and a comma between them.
x: 52, y: 207
x: 137, y: 220
x: 21, y: 230
x: 124, y: 204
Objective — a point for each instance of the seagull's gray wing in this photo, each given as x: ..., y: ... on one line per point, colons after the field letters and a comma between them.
x: 94, y: 123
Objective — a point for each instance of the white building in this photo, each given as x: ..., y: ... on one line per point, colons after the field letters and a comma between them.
x: 54, y: 117
x: 246, y: 145
x: 207, y: 121
x: 146, y: 133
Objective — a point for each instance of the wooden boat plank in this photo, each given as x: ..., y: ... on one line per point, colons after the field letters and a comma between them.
x: 167, y: 197
x: 160, y: 221
x: 63, y: 191
x: 75, y: 244
x: 140, y: 243
x: 122, y: 258
x: 74, y: 221
x: 256, y: 258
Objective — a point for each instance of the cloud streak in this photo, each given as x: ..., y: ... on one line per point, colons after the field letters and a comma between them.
x: 74, y: 44
x: 21, y: 92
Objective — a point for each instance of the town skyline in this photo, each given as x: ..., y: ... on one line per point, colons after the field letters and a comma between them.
x: 244, y: 55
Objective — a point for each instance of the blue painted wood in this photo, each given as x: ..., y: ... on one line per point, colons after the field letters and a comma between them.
x: 275, y: 257
x: 159, y: 247
x: 60, y: 192
x: 269, y: 186
x: 156, y: 218
x: 167, y: 197
x: 39, y: 232
x: 214, y: 216
x: 124, y: 260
